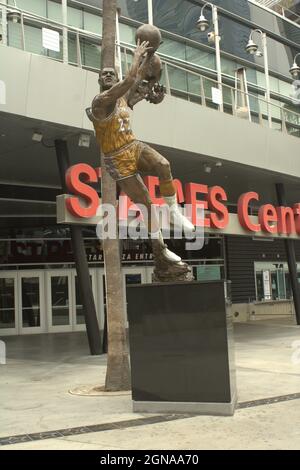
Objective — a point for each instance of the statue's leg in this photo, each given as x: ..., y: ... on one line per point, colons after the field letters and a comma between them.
x: 153, y: 163
x: 136, y: 190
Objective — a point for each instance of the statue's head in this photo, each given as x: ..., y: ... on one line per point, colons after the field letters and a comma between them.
x: 108, y: 77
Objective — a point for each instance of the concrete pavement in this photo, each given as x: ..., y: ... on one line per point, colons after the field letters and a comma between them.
x: 42, y: 369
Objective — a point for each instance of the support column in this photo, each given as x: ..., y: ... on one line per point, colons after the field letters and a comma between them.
x: 81, y: 263
x: 118, y: 372
x: 291, y: 257
x: 150, y: 11
x: 65, y: 31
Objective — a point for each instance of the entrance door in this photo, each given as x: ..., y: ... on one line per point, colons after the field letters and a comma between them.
x: 31, y: 297
x: 8, y: 304
x: 64, y: 305
x: 77, y: 310
x: 59, y: 300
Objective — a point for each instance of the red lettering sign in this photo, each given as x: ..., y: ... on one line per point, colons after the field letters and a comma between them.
x: 219, y: 217
x: 243, y: 211
x: 191, y: 192
x: 79, y: 188
x: 267, y: 217
x: 85, y: 201
x: 286, y: 221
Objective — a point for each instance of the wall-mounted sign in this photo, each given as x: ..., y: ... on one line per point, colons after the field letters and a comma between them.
x: 50, y: 39
x: 41, y: 251
x: 216, y: 95
x: 208, y: 273
x: 267, y: 285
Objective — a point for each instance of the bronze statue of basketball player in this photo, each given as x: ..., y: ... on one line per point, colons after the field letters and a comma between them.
x: 125, y: 157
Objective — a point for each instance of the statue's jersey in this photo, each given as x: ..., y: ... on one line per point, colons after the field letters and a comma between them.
x: 118, y: 143
x: 115, y: 132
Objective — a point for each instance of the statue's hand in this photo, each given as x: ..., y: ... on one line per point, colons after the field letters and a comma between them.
x: 138, y: 93
x: 157, y: 94
x: 143, y: 88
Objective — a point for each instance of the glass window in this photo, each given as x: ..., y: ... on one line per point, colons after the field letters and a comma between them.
x: 72, y: 49
x: 127, y: 33
x: 229, y: 67
x: 178, y: 79
x: 200, y: 57
x: 31, y: 302
x: 126, y: 61
x: 136, y: 10
x: 60, y: 300
x: 173, y: 49
x: 14, y: 35
x: 90, y: 54
x: 7, y: 303
x: 180, y: 17
x: 92, y: 23
x: 194, y: 85
x: 276, y: 109
x: 177, y: 16
x: 93, y: 3
x: 285, y: 88
x: 33, y: 40
x: 54, y: 11
x: 75, y: 17
x: 34, y: 6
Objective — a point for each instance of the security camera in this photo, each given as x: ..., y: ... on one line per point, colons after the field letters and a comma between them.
x: 211, y: 37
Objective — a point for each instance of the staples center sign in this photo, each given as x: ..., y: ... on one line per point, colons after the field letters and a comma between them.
x: 81, y: 205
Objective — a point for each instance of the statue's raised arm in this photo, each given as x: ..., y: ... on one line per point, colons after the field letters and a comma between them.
x: 112, y: 89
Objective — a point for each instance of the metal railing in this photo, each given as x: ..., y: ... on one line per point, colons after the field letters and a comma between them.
x: 84, y: 51
x: 290, y: 15
x: 280, y: 10
x: 200, y: 90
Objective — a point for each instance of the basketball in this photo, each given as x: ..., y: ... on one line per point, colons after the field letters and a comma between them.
x: 149, y: 33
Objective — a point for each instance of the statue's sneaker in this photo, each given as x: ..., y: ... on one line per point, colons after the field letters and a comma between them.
x: 179, y: 221
x: 162, y: 252
x: 169, y: 256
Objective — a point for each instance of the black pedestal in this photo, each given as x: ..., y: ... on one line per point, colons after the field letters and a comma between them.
x: 181, y: 348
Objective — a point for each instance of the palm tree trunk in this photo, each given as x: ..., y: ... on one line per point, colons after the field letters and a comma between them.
x: 117, y: 373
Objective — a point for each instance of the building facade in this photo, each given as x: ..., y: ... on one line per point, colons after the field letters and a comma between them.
x: 242, y: 143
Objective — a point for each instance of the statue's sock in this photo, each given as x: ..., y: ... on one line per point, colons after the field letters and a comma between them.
x: 167, y: 188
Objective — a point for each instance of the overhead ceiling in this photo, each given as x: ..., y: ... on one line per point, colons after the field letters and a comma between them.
x: 29, y: 163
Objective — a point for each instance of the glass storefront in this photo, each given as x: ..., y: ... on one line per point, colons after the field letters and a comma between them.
x: 273, y: 281
x: 7, y: 302
x: 39, y: 290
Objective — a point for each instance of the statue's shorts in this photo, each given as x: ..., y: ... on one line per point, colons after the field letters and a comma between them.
x: 124, y: 162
